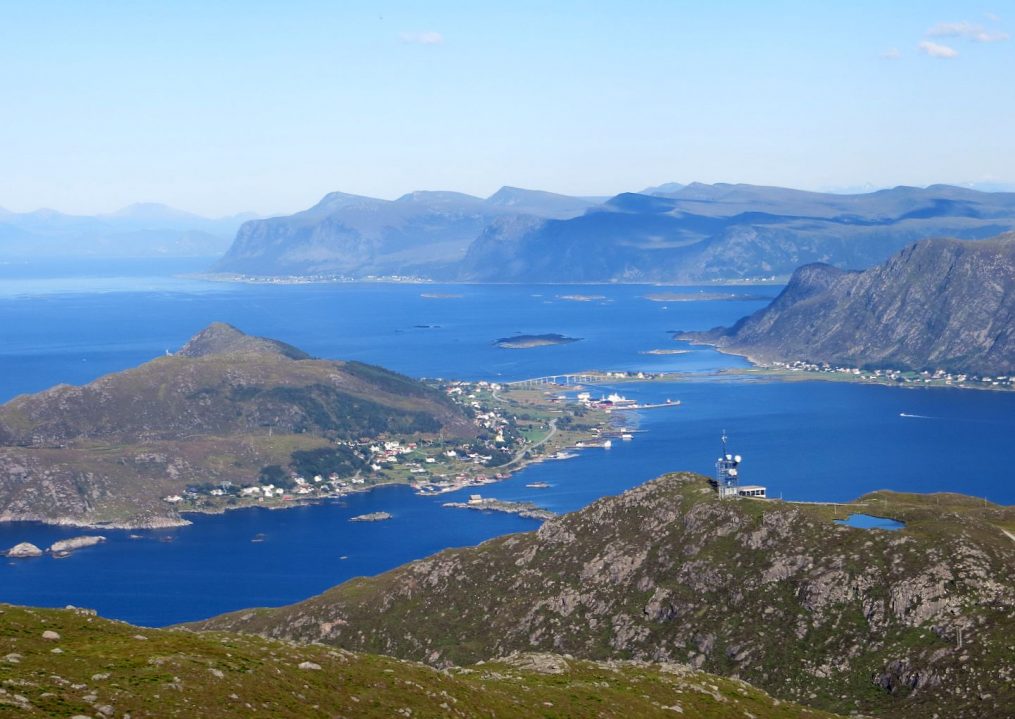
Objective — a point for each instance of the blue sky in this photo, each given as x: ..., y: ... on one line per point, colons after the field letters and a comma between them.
x: 218, y: 107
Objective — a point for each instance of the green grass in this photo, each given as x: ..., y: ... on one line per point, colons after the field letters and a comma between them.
x: 113, y: 668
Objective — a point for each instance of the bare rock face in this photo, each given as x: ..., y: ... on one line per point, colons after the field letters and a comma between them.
x: 23, y: 550
x: 939, y: 304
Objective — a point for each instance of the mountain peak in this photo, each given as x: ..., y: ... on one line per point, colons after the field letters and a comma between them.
x: 220, y: 338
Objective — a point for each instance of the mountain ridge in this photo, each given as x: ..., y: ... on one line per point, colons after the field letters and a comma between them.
x: 938, y: 304
x: 671, y: 233
x: 773, y: 592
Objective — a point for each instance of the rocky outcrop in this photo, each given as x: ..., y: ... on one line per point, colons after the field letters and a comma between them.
x: 772, y: 592
x: 939, y: 304
x: 23, y: 550
x: 66, y: 546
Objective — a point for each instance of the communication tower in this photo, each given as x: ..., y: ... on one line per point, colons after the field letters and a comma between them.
x: 727, y: 477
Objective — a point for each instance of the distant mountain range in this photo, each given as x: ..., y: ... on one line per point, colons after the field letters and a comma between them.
x: 140, y: 230
x: 422, y: 233
x: 668, y: 233
x: 939, y: 304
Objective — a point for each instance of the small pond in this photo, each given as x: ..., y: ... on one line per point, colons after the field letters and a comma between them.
x: 866, y: 521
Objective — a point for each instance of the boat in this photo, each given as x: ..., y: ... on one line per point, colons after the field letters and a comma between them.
x: 627, y: 436
x: 538, y: 485
x: 607, y: 444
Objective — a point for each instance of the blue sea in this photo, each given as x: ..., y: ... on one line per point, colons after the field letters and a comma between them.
x: 804, y: 440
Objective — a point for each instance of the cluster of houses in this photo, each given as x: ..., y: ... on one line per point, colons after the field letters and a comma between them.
x: 926, y: 377
x: 427, y: 462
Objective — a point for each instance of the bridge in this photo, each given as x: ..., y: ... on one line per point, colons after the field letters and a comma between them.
x: 566, y: 380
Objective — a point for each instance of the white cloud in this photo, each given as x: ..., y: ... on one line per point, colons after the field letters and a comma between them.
x: 967, y: 30
x: 940, y: 51
x: 892, y: 54
x: 428, y: 37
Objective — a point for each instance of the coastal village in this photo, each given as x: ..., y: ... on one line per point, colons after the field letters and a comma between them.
x: 937, y: 378
x: 517, y: 425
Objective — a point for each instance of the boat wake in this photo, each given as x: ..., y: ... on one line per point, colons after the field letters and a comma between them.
x: 914, y: 416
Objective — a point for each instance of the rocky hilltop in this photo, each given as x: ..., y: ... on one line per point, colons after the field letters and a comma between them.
x: 896, y: 624
x: 70, y: 662
x: 938, y: 304
x: 224, y: 409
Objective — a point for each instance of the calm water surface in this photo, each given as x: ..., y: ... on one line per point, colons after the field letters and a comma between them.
x: 817, y: 441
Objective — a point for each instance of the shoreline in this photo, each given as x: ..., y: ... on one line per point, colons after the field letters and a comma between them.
x: 394, y: 280
x: 786, y: 374
x: 157, y: 522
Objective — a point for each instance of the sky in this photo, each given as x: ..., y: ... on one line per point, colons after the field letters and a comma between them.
x: 221, y: 107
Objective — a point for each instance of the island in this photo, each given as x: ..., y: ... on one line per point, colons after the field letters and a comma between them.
x: 371, y: 517
x: 522, y: 509
x: 529, y: 341
x: 23, y: 551
x: 702, y: 297
x: 582, y: 298
x: 65, y: 546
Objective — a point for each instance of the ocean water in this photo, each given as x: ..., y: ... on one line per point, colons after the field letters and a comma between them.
x: 804, y: 440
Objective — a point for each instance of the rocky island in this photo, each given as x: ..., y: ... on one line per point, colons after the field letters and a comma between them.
x: 65, y: 546
x: 522, y: 509
x: 530, y: 341
x: 23, y: 550
x: 371, y: 517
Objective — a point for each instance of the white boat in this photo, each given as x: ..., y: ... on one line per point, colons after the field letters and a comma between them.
x: 627, y: 436
x: 538, y: 485
x: 607, y: 444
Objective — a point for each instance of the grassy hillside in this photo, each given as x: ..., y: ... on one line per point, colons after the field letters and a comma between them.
x: 775, y: 593
x: 98, y: 668
x: 223, y: 409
